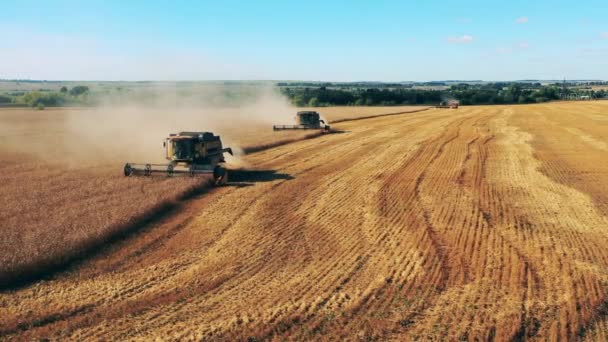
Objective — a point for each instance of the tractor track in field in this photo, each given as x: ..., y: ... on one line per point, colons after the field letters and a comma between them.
x: 478, y: 223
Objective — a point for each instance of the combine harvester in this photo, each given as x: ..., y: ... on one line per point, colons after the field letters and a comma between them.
x: 305, y: 120
x: 190, y: 154
x: 448, y: 104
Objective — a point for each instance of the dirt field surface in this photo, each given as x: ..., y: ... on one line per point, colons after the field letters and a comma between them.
x: 485, y: 223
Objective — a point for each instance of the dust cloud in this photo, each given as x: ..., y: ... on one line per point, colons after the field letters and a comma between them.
x: 450, y: 100
x: 132, y: 127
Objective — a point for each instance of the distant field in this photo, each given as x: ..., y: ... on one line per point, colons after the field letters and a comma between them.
x: 482, y: 223
x: 97, y: 85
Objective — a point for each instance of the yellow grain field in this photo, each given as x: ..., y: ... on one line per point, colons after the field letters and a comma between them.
x: 482, y: 223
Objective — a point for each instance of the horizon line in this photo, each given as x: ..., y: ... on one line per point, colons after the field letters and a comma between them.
x: 292, y: 80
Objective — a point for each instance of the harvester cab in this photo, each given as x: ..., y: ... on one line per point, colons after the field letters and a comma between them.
x: 188, y: 153
x: 305, y: 120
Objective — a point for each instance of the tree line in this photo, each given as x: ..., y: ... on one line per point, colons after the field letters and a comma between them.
x: 466, y: 94
x: 317, y: 94
x: 77, y: 95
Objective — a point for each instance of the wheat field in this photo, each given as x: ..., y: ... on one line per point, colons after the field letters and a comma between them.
x: 482, y: 223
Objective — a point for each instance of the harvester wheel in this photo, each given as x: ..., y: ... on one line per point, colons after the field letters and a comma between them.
x: 148, y: 170
x: 170, y: 170
x: 128, y: 170
x: 220, y: 176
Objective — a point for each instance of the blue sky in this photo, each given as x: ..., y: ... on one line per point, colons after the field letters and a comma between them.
x: 304, y: 40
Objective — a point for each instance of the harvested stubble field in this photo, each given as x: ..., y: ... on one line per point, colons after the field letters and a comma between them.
x: 477, y: 223
x: 62, y: 187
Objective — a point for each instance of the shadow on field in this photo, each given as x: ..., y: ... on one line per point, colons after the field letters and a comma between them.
x: 49, y: 269
x: 118, y: 235
x: 241, y: 178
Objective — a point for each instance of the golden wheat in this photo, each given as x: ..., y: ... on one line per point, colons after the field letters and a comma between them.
x: 477, y: 223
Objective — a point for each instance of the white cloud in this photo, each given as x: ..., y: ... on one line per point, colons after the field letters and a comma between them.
x: 466, y: 39
x: 604, y: 35
x: 503, y: 50
x: 522, y: 20
x: 523, y: 45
